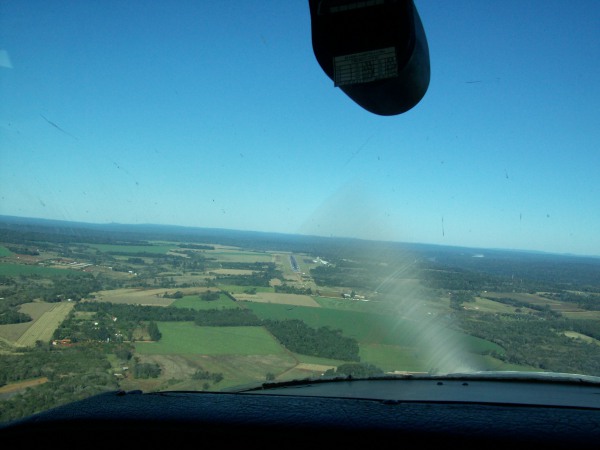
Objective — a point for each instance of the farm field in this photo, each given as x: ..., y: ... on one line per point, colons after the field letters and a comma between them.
x: 195, y: 302
x: 138, y: 296
x: 46, y: 318
x: 535, y: 300
x: 186, y: 338
x: 488, y: 305
x: 377, y: 329
x: 243, y: 354
x: 278, y: 298
x: 388, y: 319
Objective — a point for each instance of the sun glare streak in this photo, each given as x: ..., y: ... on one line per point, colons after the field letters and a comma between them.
x: 424, y: 320
x: 5, y: 60
x: 440, y: 348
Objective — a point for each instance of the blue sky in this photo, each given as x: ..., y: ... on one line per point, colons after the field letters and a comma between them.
x: 216, y: 114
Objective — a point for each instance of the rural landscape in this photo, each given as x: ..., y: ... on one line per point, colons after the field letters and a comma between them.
x: 88, y: 308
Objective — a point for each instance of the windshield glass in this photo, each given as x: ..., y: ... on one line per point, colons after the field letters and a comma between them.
x: 189, y: 202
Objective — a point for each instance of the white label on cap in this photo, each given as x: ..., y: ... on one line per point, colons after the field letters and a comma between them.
x: 365, y: 67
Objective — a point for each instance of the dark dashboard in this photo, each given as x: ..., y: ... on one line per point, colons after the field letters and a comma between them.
x: 463, y: 411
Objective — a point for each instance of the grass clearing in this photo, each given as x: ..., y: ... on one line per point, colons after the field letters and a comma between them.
x: 278, y: 298
x: 187, y: 338
x: 487, y: 305
x: 43, y: 328
x: 11, y: 388
x: 536, y: 300
x: 136, y: 296
x: 13, y: 331
x: 235, y: 289
x: 239, y: 256
x: 583, y: 337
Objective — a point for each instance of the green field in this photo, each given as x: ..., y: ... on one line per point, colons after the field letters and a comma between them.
x: 345, y: 304
x: 240, y: 289
x: 364, y: 327
x: 490, y: 306
x: 308, y: 359
x: 195, y: 302
x: 157, y: 249
x: 187, y: 338
x: 239, y: 256
x: 391, y: 343
x: 392, y: 333
x: 392, y: 357
x: 12, y: 270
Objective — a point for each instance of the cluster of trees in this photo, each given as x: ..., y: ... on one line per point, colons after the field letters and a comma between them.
x: 262, y: 274
x: 323, y: 342
x: 153, y: 331
x: 74, y: 286
x: 201, y: 374
x: 457, y: 298
x: 583, y: 326
x: 28, y: 288
x: 67, y: 375
x: 227, y: 317
x: 9, y: 315
x: 528, y: 271
x: 355, y: 370
x: 256, y: 279
x: 538, y: 342
x: 453, y: 279
x: 137, y: 313
x: 587, y: 300
x: 23, y: 250
x: 149, y: 265
x: 116, y: 322
x: 146, y: 370
x: 197, y: 246
x: 210, y: 296
x: 288, y: 289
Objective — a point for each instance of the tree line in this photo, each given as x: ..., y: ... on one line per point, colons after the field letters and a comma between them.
x: 116, y: 322
x: 539, y: 342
